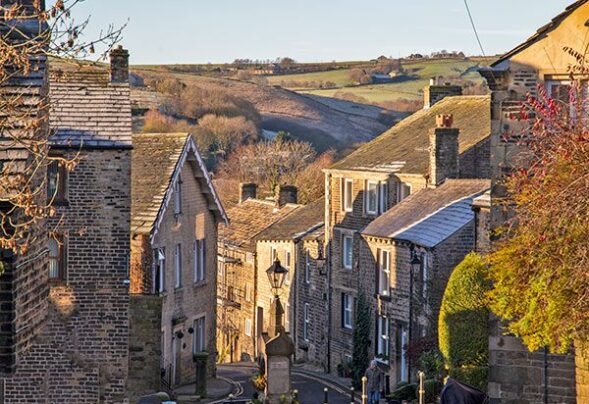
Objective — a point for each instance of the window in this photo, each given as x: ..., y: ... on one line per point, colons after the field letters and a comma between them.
x: 56, y: 181
x: 403, y: 344
x: 424, y: 276
x: 178, y: 265
x: 348, y: 251
x: 371, y: 198
x: 273, y: 254
x: 163, y: 363
x: 307, y: 266
x: 178, y: 197
x: 160, y: 270
x: 287, y: 317
x: 403, y: 191
x: 306, y: 322
x: 383, y: 346
x: 57, y: 258
x: 199, y: 260
x: 248, y: 327
x: 383, y: 198
x: 287, y: 265
x: 347, y: 302
x: 248, y: 292
x: 384, y: 272
x: 198, y: 339
x: 347, y: 197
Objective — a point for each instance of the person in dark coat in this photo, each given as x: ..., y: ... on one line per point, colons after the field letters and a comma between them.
x: 374, y: 376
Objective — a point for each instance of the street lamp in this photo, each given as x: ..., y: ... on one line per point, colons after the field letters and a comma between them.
x: 415, y: 265
x: 277, y: 275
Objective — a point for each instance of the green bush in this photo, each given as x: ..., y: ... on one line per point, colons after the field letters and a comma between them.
x: 475, y: 376
x: 361, y: 340
x: 404, y: 391
x: 432, y: 388
x: 464, y: 322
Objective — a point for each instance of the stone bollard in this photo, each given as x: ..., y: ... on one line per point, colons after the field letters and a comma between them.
x: 200, y: 359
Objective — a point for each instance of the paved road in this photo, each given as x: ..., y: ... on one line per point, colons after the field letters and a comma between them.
x: 310, y: 388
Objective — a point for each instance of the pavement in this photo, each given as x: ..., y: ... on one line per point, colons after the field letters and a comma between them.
x: 235, y: 379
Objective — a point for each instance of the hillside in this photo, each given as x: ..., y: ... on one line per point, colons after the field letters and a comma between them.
x: 326, y: 124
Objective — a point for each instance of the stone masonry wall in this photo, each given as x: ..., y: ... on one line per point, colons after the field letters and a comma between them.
x: 145, y: 318
x: 476, y: 161
x: 82, y: 354
x: 191, y: 300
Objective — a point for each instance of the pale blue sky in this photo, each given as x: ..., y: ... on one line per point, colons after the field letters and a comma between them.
x: 201, y: 31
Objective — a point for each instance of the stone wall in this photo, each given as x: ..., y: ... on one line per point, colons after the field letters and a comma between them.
x: 192, y: 299
x: 145, y: 320
x: 81, y: 354
x: 314, y: 293
x: 476, y: 161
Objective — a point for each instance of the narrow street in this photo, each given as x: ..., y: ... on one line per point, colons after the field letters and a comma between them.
x: 310, y: 388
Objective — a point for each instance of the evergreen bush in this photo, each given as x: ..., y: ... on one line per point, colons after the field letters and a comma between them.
x: 360, y: 356
x: 464, y: 323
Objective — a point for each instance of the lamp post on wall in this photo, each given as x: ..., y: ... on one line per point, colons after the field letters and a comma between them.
x: 415, y: 264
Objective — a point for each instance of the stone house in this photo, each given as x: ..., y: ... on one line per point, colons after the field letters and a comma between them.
x: 539, y: 61
x: 237, y: 328
x: 436, y: 225
x: 409, y: 157
x: 66, y: 337
x: 297, y: 241
x: 174, y: 217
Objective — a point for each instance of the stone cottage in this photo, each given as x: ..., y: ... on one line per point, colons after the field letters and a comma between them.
x: 174, y: 217
x: 540, y: 61
x: 434, y: 228
x: 298, y: 242
x: 409, y: 157
x: 239, y: 324
x: 66, y: 334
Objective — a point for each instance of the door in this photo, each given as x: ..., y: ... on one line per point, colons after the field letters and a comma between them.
x: 176, y: 359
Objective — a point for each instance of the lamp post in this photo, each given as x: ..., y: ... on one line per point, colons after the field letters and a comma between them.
x: 415, y: 264
x: 276, y: 275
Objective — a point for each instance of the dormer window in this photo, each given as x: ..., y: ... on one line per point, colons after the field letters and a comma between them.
x: 178, y: 197
x: 371, y: 198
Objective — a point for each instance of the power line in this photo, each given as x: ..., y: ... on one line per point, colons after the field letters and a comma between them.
x: 474, y: 27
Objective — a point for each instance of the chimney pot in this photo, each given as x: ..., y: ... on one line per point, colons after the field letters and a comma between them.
x: 247, y: 191
x: 119, y: 65
x: 444, y: 121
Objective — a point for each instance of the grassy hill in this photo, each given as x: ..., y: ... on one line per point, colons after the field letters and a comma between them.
x: 410, y: 87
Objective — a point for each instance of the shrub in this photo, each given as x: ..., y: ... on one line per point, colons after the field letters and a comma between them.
x: 361, y: 339
x: 432, y: 388
x: 404, y: 391
x: 464, y: 322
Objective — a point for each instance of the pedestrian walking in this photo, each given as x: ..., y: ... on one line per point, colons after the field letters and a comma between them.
x: 374, y: 376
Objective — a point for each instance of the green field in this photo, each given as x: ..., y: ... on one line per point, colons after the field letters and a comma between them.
x: 419, y: 73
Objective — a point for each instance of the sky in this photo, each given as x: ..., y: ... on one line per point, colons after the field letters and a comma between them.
x: 218, y: 31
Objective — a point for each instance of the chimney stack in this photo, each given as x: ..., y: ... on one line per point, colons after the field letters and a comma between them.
x: 119, y: 65
x: 286, y: 194
x: 444, y: 153
x: 247, y: 191
x: 434, y: 92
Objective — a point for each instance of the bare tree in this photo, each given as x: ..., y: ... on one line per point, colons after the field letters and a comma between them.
x: 29, y: 35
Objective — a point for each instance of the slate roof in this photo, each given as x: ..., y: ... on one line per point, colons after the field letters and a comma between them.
x: 87, y: 109
x: 297, y: 224
x: 248, y: 219
x: 156, y: 162
x: 429, y: 216
x: 405, y: 147
x: 542, y: 31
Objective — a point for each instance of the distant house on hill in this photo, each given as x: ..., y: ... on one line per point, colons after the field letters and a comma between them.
x: 381, y: 78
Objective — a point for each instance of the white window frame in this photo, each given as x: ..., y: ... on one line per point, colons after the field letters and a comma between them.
x: 178, y: 197
x: 307, y: 266
x: 199, y: 260
x: 404, y: 341
x: 383, y: 197
x: 178, y: 266
x: 424, y: 275
x: 384, y: 272
x: 347, y: 311
x: 287, y: 317
x: 161, y: 262
x: 247, y: 328
x: 273, y: 253
x: 348, y: 258
x: 383, y: 344
x: 199, y: 333
x: 347, y: 195
x: 306, y: 322
x: 371, y: 194
x: 401, y: 191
